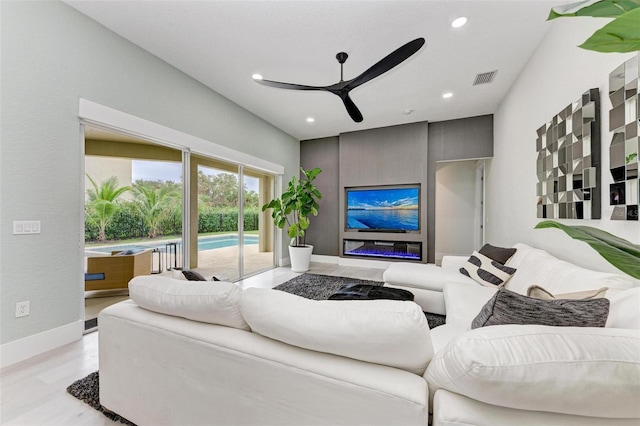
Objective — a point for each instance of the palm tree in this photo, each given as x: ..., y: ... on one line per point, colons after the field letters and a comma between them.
x: 103, y: 201
x: 154, y: 204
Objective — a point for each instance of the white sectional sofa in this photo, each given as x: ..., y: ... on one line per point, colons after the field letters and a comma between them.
x: 305, y: 362
x: 209, y: 353
x: 530, y: 374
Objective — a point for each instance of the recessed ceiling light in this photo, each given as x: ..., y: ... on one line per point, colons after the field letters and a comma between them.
x: 256, y: 77
x: 458, y: 22
x: 310, y: 120
x: 447, y: 95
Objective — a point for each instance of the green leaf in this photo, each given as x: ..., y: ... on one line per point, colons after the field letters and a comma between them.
x: 621, y: 253
x: 620, y: 35
x: 631, y: 157
x: 594, y: 8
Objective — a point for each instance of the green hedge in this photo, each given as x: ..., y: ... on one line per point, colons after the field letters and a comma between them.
x: 128, y: 223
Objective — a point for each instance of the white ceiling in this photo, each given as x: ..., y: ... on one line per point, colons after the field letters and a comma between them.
x: 222, y: 43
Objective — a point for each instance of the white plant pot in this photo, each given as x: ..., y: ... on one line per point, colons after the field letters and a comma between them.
x: 300, y: 258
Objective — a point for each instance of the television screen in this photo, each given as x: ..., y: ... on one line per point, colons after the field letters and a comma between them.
x: 383, y: 209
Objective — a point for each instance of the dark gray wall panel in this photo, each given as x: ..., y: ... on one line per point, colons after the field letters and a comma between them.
x: 323, y: 233
x: 463, y: 139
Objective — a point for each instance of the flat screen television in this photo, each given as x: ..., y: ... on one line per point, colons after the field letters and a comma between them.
x: 383, y: 208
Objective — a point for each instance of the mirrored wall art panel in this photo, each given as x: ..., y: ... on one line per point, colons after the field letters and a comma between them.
x: 568, y: 162
x: 624, y: 123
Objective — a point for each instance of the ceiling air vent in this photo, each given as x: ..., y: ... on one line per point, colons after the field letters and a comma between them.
x: 485, y: 77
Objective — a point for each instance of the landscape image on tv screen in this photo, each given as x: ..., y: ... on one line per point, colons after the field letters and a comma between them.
x: 394, y: 209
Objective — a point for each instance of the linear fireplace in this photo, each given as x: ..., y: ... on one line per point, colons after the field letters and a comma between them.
x: 408, y: 250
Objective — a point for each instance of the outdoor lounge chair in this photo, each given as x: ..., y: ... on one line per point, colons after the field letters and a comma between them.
x: 115, y: 271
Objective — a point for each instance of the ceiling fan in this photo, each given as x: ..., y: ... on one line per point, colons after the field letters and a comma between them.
x: 342, y: 88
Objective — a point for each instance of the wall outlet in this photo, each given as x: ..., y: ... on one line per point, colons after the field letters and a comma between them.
x: 22, y: 309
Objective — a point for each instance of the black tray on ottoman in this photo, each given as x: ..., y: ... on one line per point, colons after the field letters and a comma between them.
x: 370, y: 292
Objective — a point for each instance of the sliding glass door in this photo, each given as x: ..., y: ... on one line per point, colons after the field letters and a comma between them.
x: 233, y: 239
x: 258, y: 241
x: 217, y: 219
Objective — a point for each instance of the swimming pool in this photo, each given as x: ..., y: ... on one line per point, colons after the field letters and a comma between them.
x: 219, y: 241
x: 204, y: 243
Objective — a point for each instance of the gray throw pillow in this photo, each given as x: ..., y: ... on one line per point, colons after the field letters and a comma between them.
x: 499, y: 254
x: 507, y: 307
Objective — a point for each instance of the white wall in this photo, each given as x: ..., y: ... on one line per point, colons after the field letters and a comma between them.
x: 556, y: 75
x: 51, y: 57
x: 455, y: 208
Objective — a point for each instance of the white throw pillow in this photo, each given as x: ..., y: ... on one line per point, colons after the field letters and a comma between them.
x: 211, y: 302
x: 387, y: 332
x: 624, y: 311
x: 557, y: 276
x: 573, y: 370
x: 464, y: 301
x: 486, y: 271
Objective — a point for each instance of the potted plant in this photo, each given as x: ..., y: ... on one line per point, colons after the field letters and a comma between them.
x: 293, y: 209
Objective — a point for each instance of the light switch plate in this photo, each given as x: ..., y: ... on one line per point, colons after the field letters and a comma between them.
x: 21, y: 227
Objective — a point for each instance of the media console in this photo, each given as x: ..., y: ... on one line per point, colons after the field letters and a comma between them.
x: 408, y: 250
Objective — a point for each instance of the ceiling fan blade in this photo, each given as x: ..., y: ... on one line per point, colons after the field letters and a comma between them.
x: 290, y: 86
x: 388, y: 62
x: 352, y: 109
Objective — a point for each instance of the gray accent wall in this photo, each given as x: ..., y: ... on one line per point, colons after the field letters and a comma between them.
x: 322, y: 232
x: 52, y: 55
x: 390, y: 156
x: 394, y: 155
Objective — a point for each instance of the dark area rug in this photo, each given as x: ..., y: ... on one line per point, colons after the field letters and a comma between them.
x: 87, y: 390
x: 320, y: 287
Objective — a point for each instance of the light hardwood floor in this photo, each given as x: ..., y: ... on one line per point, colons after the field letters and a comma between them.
x: 33, y: 392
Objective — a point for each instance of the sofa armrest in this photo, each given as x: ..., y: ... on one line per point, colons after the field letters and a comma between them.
x: 454, y: 263
x: 572, y: 370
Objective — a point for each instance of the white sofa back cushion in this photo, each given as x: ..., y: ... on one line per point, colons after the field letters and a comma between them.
x: 573, y: 370
x: 211, y: 302
x: 386, y: 332
x: 537, y: 267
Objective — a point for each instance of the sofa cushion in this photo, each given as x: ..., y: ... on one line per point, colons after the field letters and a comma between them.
x: 464, y: 301
x: 486, y: 271
x: 420, y: 275
x: 205, y: 302
x: 499, y: 254
x: 387, y: 332
x: 582, y: 371
x: 538, y: 267
x: 507, y: 307
x: 624, y: 311
x: 538, y: 292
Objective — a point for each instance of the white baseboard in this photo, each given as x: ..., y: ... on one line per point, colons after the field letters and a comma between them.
x: 321, y: 258
x: 22, y: 349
